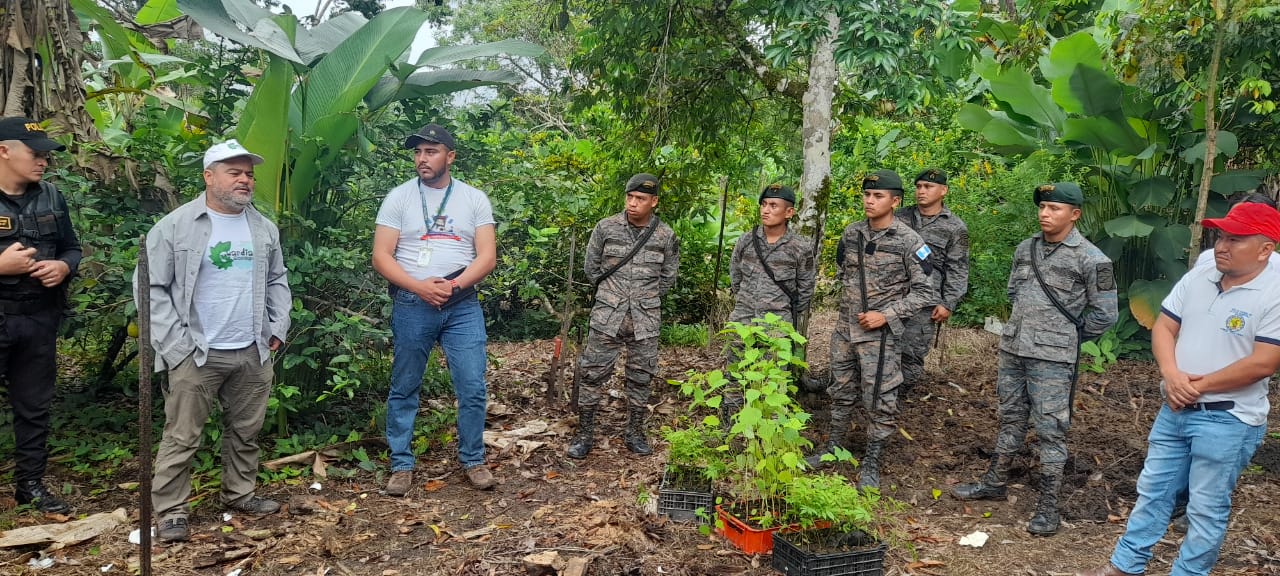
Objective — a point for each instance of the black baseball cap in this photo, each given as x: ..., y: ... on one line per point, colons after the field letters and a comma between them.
x: 645, y: 183
x: 432, y: 133
x: 28, y: 132
x: 1064, y: 192
x: 883, y: 180
x: 932, y: 175
x: 778, y: 191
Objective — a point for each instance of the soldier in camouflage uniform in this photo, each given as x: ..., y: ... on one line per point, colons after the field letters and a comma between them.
x: 1040, y: 346
x: 948, y: 240
x: 883, y: 254
x: 756, y: 293
x: 627, y: 311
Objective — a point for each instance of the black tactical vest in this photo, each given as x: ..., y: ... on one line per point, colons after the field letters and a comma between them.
x: 35, y: 226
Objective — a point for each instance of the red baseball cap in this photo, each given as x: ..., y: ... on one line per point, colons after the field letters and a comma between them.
x: 1247, y: 219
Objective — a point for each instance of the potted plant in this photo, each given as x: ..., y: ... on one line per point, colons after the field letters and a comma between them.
x: 837, y: 528
x: 693, y: 465
x: 764, y: 437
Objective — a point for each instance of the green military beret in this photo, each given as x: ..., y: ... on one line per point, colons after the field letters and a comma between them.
x: 932, y: 175
x: 778, y: 191
x: 643, y: 182
x: 883, y: 180
x: 1064, y: 192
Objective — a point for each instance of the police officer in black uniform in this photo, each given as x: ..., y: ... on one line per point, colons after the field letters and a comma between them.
x: 39, y: 253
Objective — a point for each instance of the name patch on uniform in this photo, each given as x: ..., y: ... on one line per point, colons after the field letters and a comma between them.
x: 6, y: 223
x: 1106, y: 276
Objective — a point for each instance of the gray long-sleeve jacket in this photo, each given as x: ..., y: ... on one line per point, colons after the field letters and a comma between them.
x: 175, y: 247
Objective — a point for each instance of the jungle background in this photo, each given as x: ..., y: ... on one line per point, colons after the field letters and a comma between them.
x: 1163, y: 109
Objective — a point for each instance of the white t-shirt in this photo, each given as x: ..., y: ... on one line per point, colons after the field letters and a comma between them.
x: 224, y: 288
x: 1219, y: 328
x: 450, y: 240
x: 1206, y: 259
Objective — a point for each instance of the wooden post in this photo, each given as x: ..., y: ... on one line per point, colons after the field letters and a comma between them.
x: 144, y: 408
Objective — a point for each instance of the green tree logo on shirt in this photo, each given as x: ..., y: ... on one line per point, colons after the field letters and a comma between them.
x: 218, y: 255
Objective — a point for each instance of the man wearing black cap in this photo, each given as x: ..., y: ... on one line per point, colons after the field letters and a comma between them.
x: 39, y: 253
x: 771, y: 271
x: 1063, y: 292
x: 1217, y: 342
x: 435, y: 240
x: 948, y: 240
x: 884, y: 268
x: 632, y: 260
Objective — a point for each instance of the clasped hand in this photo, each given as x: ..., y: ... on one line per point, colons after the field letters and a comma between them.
x: 871, y: 320
x: 1180, y: 390
x: 434, y: 291
x: 18, y: 259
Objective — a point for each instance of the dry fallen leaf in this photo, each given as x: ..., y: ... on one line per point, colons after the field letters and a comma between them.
x: 434, y: 485
x: 1112, y: 518
x: 705, y: 546
x: 552, y: 475
x: 925, y: 564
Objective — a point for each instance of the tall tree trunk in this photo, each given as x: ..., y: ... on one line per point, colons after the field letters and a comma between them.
x: 41, y: 49
x: 1210, y: 141
x: 815, y: 180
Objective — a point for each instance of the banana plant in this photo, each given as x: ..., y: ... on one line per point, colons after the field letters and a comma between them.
x: 1142, y: 175
x: 320, y: 84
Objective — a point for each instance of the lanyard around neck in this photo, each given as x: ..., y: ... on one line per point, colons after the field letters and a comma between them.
x: 443, y: 202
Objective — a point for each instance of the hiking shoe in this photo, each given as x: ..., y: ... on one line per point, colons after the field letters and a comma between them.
x: 173, y: 530
x: 257, y: 506
x: 34, y: 493
x: 400, y: 483
x: 480, y: 477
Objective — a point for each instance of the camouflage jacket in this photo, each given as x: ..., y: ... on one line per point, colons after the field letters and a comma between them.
x: 1082, y: 279
x: 948, y: 239
x: 755, y: 294
x: 638, y: 286
x: 897, y: 279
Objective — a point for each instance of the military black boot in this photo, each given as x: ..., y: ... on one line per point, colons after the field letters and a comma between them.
x: 869, y: 476
x: 992, y: 484
x: 34, y: 493
x: 585, y: 438
x: 1045, y: 522
x: 634, y: 437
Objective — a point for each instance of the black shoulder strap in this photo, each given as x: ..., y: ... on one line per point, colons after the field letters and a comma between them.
x: 791, y: 294
x: 1035, y: 267
x: 644, y: 238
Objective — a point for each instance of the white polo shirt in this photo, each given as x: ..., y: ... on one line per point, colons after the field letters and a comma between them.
x: 1219, y: 328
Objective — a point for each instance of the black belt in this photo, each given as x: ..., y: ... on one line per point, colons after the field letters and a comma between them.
x: 1221, y: 405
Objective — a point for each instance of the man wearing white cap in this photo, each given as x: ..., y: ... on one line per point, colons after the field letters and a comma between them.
x: 220, y: 306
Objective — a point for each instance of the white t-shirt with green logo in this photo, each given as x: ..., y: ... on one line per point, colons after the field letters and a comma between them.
x: 224, y: 289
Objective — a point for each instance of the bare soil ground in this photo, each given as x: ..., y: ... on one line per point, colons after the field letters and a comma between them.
x: 597, y: 508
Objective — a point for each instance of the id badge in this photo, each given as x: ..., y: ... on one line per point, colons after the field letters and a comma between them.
x: 424, y: 256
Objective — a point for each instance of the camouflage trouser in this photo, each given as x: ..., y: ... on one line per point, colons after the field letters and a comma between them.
x: 1039, y: 391
x: 601, y: 354
x: 848, y: 359
x: 916, y: 339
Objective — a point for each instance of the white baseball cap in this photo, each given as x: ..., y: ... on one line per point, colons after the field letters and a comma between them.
x: 228, y: 150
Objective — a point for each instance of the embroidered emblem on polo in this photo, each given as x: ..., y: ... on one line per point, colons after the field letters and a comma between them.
x: 1236, y: 321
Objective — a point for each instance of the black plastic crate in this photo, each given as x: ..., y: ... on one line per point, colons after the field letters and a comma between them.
x: 791, y: 560
x: 682, y: 505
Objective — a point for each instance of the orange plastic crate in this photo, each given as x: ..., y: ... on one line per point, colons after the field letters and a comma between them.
x: 743, y: 537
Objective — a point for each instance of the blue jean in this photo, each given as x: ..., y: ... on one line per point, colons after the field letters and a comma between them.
x: 416, y: 327
x: 1202, y: 453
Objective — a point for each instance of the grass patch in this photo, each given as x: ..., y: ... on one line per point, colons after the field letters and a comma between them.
x: 683, y: 335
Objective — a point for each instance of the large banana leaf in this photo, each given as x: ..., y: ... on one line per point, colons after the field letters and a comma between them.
x: 435, y: 82
x: 336, y: 86
x: 342, y: 78
x: 264, y: 128
x: 157, y: 11
x: 1019, y: 91
x: 321, y: 40
x: 441, y: 55
x: 224, y: 18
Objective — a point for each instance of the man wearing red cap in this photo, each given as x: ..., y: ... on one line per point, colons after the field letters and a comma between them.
x: 1217, y: 342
